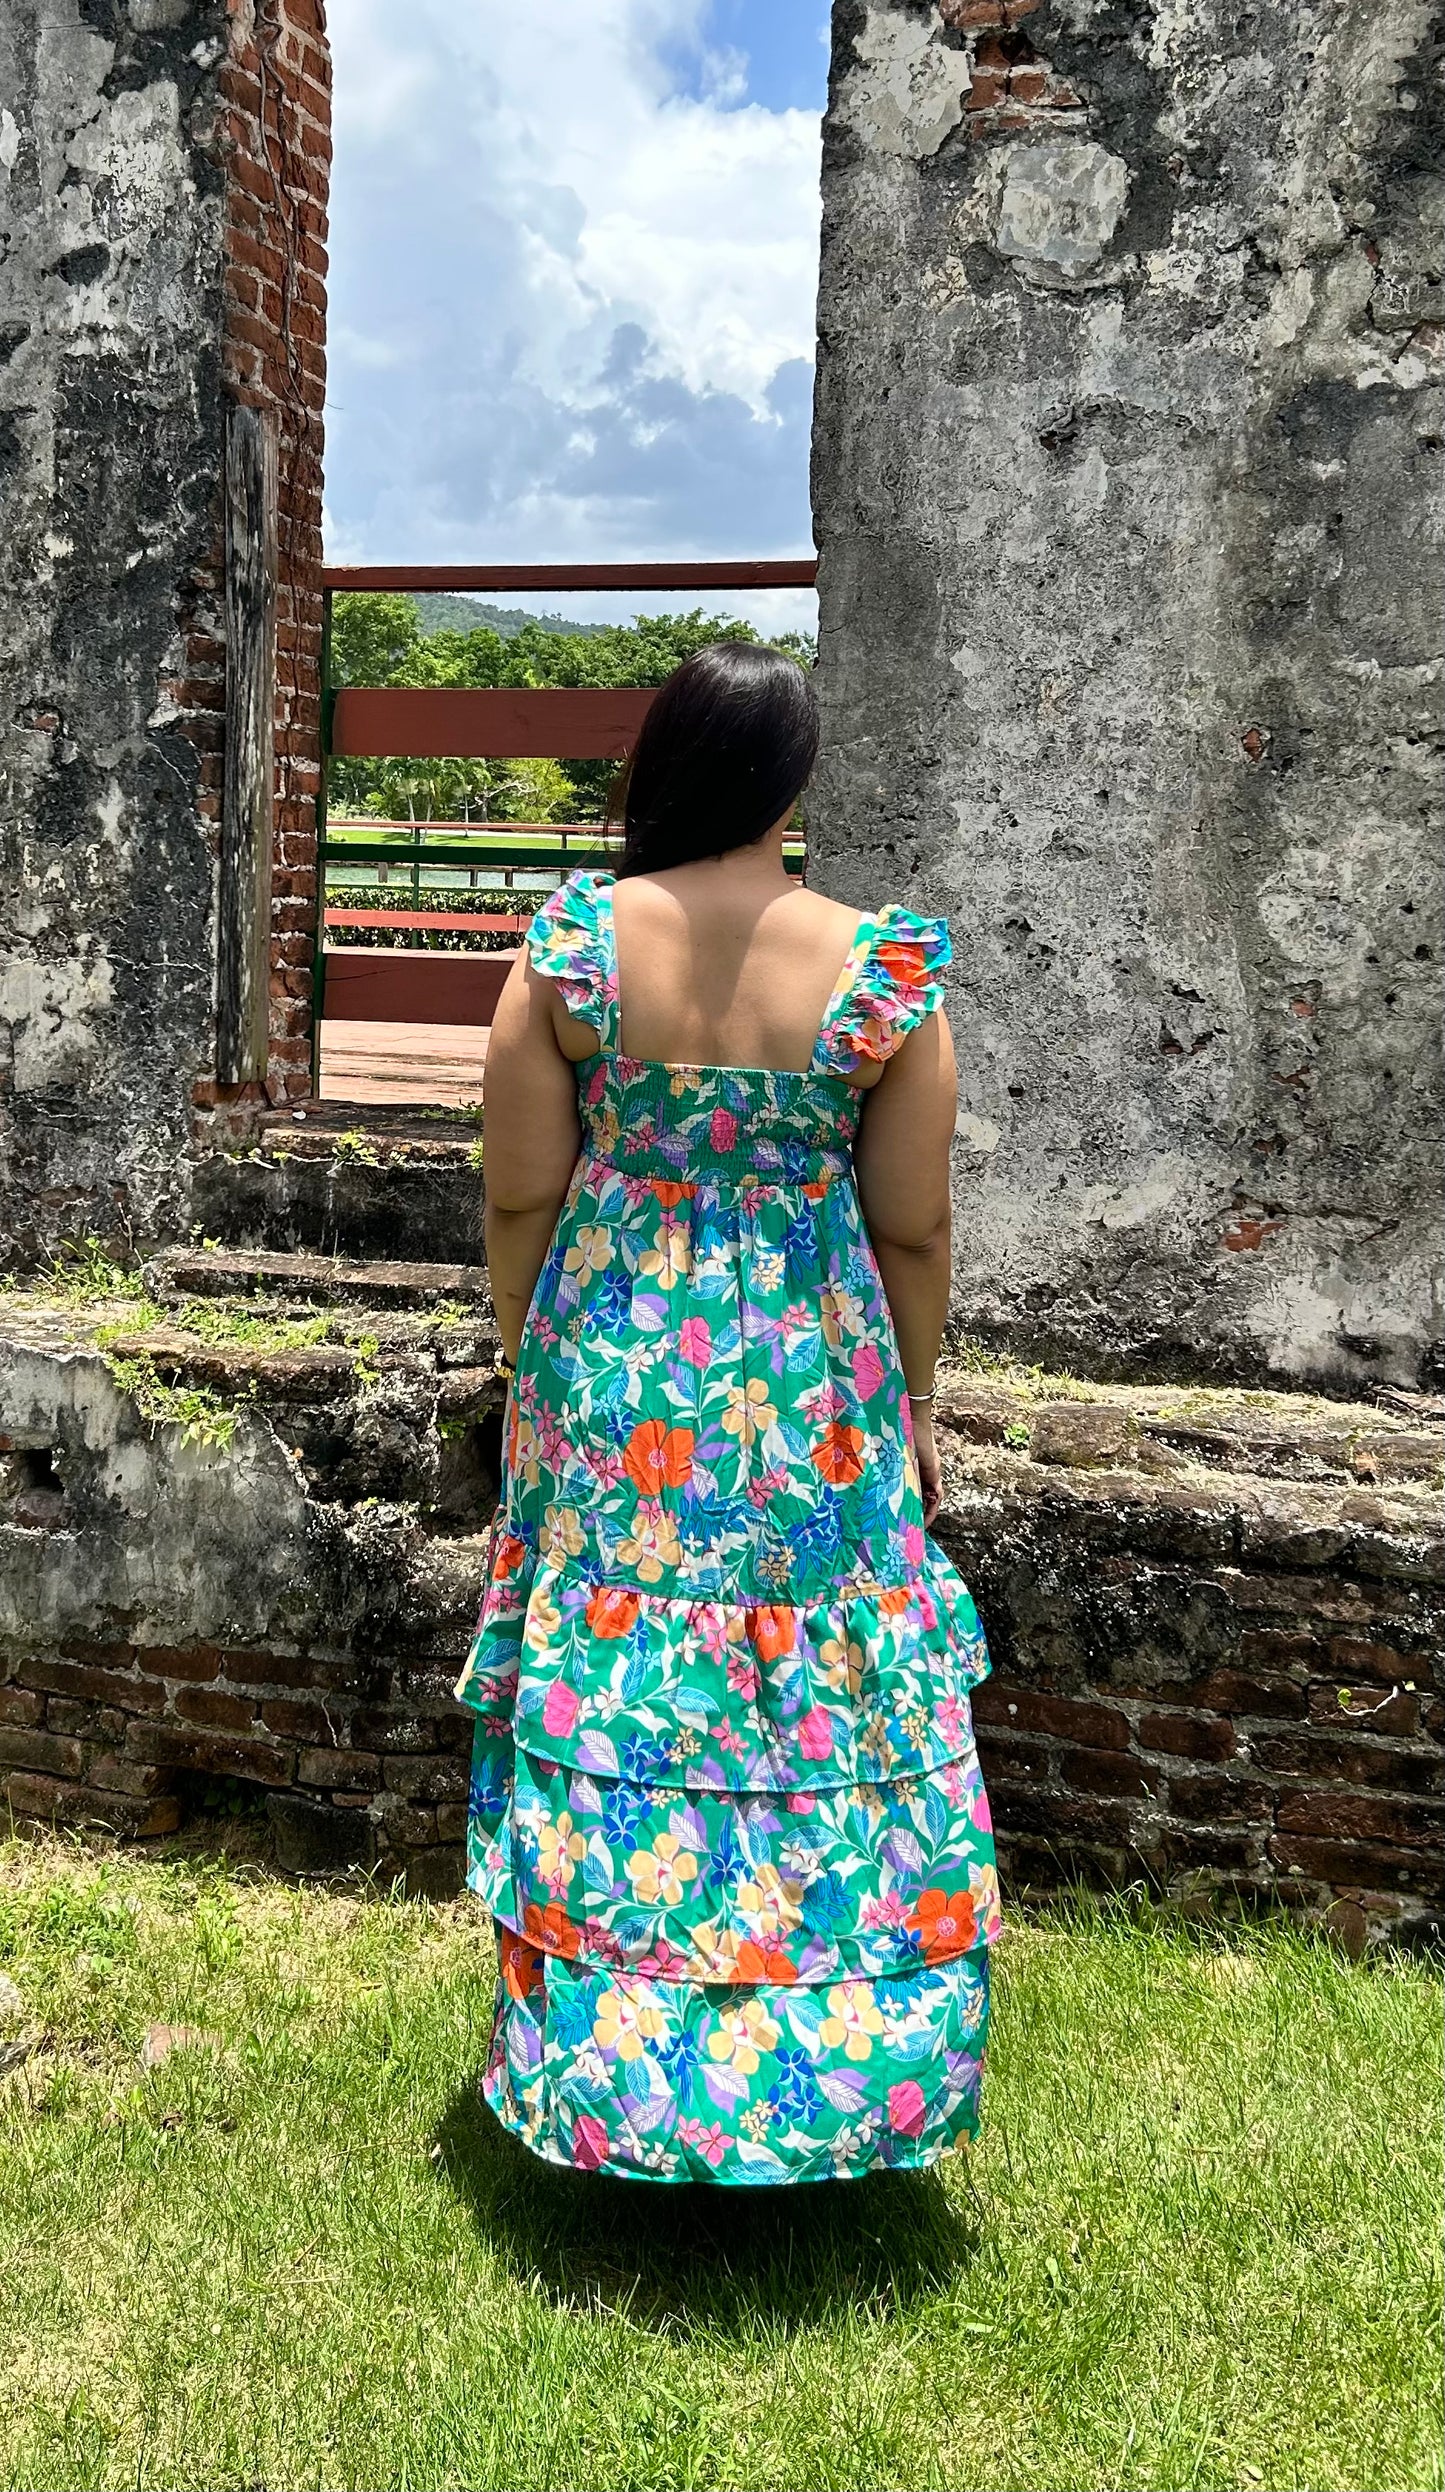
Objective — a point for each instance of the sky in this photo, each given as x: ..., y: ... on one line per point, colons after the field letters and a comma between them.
x: 574, y: 261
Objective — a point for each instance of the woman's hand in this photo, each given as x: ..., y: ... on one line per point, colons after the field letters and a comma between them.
x: 930, y: 1473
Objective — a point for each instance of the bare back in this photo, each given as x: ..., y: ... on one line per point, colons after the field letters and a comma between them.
x: 720, y: 967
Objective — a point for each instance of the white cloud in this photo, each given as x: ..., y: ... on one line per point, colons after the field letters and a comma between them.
x: 570, y: 306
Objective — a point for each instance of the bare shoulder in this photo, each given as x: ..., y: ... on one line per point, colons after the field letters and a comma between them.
x: 812, y: 914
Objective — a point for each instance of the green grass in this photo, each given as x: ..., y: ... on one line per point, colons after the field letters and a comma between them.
x: 1194, y: 2247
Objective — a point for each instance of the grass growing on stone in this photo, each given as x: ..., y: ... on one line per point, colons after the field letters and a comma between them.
x: 1195, y: 2246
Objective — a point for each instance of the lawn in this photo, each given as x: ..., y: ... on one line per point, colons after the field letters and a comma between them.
x: 1196, y: 2244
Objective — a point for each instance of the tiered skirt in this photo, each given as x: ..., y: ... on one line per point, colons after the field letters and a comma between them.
x: 740, y: 1863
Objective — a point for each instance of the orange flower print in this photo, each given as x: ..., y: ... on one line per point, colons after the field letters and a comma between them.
x: 670, y: 1195
x: 658, y: 1457
x: 773, y: 1632
x: 507, y: 1556
x: 894, y: 1600
x: 549, y: 1927
x: 524, y: 1968
x: 947, y: 1924
x: 611, y: 1611
x: 761, y: 1960
x: 838, y: 1453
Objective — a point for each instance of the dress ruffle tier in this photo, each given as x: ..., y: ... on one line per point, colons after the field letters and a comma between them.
x: 726, y: 1808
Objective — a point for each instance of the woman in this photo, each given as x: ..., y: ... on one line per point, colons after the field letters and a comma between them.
x: 725, y: 1806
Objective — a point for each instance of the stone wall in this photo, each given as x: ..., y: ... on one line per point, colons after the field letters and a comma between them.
x: 1215, y: 1619
x: 1127, y: 481
x: 162, y: 198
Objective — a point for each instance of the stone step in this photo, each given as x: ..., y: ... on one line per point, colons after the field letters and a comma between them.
x: 376, y: 1182
x: 319, y: 1280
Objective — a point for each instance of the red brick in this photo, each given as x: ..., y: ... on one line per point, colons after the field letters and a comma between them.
x: 291, y: 1718
x: 1187, y: 1734
x: 41, y: 1752
x: 174, y: 1743
x: 1233, y: 1692
x: 214, y: 1709
x: 1325, y: 1760
x: 1356, y: 1659
x: 1360, y: 1817
x: 138, y: 1782
x: 21, y: 1707
x: 195, y: 1663
x: 1059, y: 1717
x: 1370, y: 1868
x: 1028, y: 1760
x: 1105, y: 1770
x: 1393, y: 1715
x: 339, y: 1769
x: 1210, y: 1798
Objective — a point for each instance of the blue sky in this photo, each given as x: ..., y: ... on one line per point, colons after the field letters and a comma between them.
x: 574, y: 262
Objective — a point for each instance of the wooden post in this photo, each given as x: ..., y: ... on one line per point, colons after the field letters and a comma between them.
x: 243, y: 935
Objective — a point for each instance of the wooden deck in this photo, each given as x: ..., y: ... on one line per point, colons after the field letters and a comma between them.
x: 379, y: 1062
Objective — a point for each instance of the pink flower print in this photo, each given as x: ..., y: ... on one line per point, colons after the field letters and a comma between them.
x: 730, y: 1742
x: 868, y: 1369
x: 926, y: 1609
x: 589, y: 2142
x: 597, y: 1083
x: 723, y: 1131
x: 981, y: 1813
x: 709, y: 2143
x: 913, y: 1543
x: 559, y: 1713
x: 801, y: 1804
x: 885, y: 1912
x: 743, y: 1672
x: 695, y: 1340
x: 906, y: 2108
x: 948, y: 1714
x: 815, y: 1734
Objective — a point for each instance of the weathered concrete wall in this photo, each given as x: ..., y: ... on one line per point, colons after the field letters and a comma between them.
x: 1127, y: 478
x: 110, y: 426
x: 163, y: 168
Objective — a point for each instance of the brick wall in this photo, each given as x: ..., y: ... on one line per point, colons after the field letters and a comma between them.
x: 1217, y: 1633
x: 1014, y: 87
x: 273, y: 145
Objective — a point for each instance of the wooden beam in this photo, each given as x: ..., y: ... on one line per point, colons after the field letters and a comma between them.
x: 559, y: 577
x: 456, y: 987
x: 512, y: 725
x: 243, y: 927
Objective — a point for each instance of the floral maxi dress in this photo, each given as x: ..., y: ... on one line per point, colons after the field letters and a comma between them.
x: 725, y: 1806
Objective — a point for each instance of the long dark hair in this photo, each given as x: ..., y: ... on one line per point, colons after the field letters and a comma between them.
x: 726, y: 750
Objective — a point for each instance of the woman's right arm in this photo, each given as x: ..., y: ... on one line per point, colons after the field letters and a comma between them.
x: 531, y: 1137
x: 902, y: 1168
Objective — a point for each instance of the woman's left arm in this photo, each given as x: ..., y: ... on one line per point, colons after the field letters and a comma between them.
x: 532, y: 1138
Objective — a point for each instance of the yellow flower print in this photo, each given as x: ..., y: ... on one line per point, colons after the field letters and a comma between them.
x: 559, y: 1848
x: 743, y: 2034
x: 749, y: 1411
x: 842, y: 1665
x: 853, y: 2020
x: 652, y: 1548
x: 662, y: 1875
x: 544, y: 1623
x: 685, y: 1078
x: 770, y: 1903
x: 589, y: 1252
x: 526, y: 1451
x: 565, y: 1536
x: 768, y: 1269
x: 622, y: 2026
x: 878, y: 1745
x: 670, y: 1260
x: 842, y: 1315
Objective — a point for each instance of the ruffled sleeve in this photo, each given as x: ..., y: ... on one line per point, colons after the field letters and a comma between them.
x: 895, y: 980
x: 570, y: 939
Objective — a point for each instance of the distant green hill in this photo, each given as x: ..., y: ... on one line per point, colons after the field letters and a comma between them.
x: 446, y: 613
